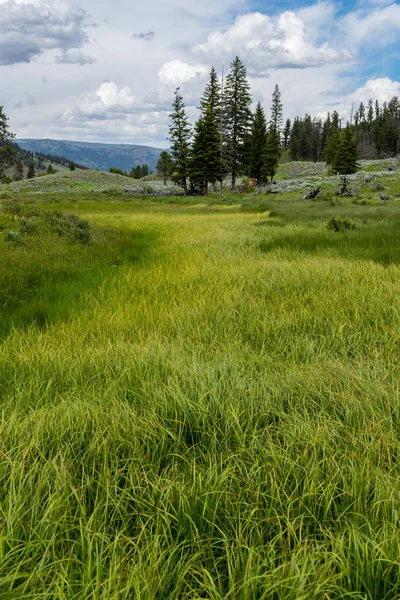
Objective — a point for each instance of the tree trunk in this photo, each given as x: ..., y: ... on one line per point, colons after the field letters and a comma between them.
x: 205, y: 192
x: 185, y: 186
x: 221, y: 188
x: 233, y: 183
x: 165, y: 179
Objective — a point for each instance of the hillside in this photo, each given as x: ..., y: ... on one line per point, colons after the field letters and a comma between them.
x: 84, y: 181
x: 96, y: 156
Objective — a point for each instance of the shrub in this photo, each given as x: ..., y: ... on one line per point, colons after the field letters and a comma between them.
x: 13, y: 237
x: 340, y: 224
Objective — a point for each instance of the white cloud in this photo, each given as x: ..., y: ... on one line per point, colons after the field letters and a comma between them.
x: 382, y: 89
x: 177, y: 72
x: 306, y: 51
x: 264, y: 42
x: 377, y: 27
x: 108, y: 102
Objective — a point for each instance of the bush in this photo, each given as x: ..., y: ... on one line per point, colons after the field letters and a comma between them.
x: 340, y: 224
x: 13, y: 237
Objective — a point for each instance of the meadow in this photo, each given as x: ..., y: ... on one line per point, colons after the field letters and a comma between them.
x: 200, y: 397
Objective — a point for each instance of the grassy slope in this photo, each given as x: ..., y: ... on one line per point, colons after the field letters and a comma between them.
x: 217, y: 420
x: 75, y: 181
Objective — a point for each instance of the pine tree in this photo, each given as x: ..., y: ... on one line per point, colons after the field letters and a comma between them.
x: 179, y: 136
x: 212, y: 96
x: 257, y: 143
x: 72, y: 166
x: 7, y: 151
x: 276, y: 111
x: 237, y: 118
x: 272, y: 154
x: 50, y: 170
x: 273, y: 149
x: 31, y: 171
x: 286, y: 134
x: 332, y: 145
x: 345, y: 161
x: 206, y: 164
x: 165, y: 166
x: 19, y: 170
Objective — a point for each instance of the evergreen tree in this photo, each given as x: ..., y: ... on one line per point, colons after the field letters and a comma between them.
x: 31, y: 171
x: 50, y: 170
x: 258, y: 140
x: 72, y: 166
x: 276, y: 111
x: 273, y: 150
x: 237, y: 118
x: 332, y: 145
x: 212, y: 97
x: 7, y: 151
x: 206, y: 164
x: 165, y: 166
x: 19, y: 170
x: 345, y: 161
x: 272, y: 154
x: 179, y: 136
x: 286, y: 134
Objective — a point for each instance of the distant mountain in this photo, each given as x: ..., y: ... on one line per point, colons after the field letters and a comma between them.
x: 96, y: 156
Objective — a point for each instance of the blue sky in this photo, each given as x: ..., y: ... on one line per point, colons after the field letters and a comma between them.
x: 101, y: 71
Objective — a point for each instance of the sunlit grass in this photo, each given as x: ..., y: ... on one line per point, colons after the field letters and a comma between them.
x: 219, y: 419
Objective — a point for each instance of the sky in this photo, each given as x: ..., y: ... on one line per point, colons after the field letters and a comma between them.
x: 107, y: 71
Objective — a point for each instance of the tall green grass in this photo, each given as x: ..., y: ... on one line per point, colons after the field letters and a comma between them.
x: 219, y: 420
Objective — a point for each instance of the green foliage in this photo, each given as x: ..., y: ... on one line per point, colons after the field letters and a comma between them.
x: 332, y: 146
x: 117, y: 171
x: 237, y: 118
x: 18, y: 170
x: 257, y: 143
x: 31, y: 171
x: 72, y: 166
x: 340, y: 224
x: 7, y: 151
x: 273, y: 149
x: 13, y: 237
x: 272, y: 154
x: 31, y: 221
x: 50, y: 170
x: 346, y: 156
x: 138, y: 172
x: 165, y: 166
x: 206, y: 163
x: 211, y: 98
x: 179, y: 135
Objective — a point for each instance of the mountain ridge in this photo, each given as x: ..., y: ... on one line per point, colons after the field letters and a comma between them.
x: 95, y: 155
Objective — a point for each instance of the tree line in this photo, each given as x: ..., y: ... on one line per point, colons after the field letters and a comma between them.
x: 135, y: 173
x: 228, y: 138
x: 375, y: 127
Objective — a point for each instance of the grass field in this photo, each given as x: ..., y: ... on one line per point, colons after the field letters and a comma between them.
x: 202, y: 400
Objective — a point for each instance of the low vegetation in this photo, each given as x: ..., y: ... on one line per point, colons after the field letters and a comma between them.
x: 200, y: 399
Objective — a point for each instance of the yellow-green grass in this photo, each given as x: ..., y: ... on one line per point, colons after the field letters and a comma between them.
x: 215, y: 415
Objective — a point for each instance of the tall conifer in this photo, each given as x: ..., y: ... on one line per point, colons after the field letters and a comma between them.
x: 206, y: 163
x: 237, y: 118
x: 273, y: 148
x: 179, y: 135
x: 258, y: 140
x: 345, y: 161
